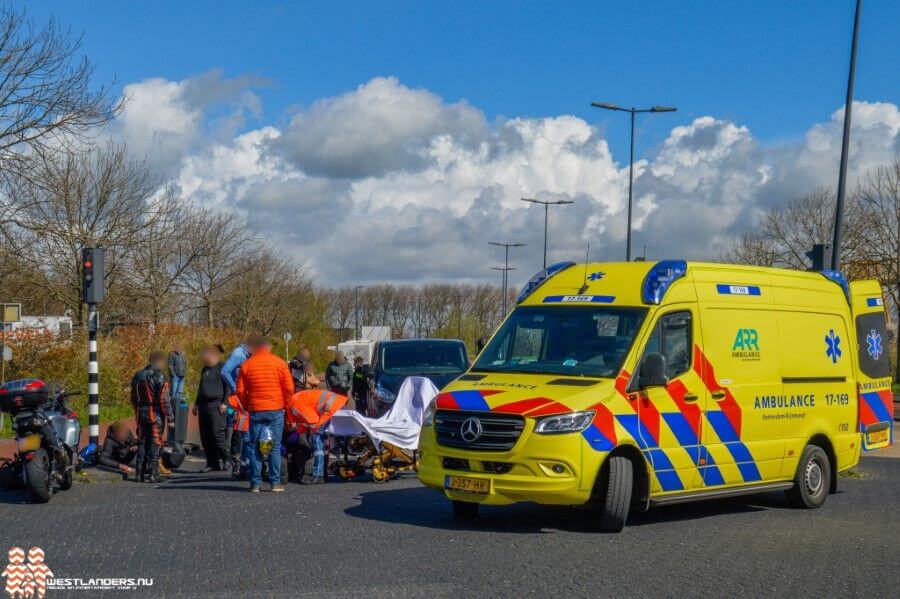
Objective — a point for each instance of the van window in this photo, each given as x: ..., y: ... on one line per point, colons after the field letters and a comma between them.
x: 871, y: 335
x: 565, y: 340
x: 671, y: 337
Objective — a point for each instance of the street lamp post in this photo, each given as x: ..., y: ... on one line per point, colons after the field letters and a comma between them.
x: 546, y: 206
x: 632, y: 111
x: 845, y: 144
x: 356, y: 308
x: 506, y: 267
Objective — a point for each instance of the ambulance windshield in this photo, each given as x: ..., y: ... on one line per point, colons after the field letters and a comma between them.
x: 565, y: 340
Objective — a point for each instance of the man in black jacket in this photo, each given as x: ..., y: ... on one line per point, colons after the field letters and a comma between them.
x: 212, y: 401
x: 152, y: 410
x: 119, y: 449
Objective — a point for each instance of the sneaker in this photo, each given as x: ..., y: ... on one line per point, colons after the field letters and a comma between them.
x: 206, y: 470
x: 254, y: 489
x: 277, y: 489
x: 312, y: 480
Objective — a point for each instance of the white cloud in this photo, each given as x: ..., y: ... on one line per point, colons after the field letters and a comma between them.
x: 386, y: 182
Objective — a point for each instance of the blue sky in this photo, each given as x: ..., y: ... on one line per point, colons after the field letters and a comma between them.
x: 776, y: 67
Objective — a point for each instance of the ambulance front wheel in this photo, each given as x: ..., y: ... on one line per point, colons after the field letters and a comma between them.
x: 464, y: 509
x: 615, y: 486
x: 812, y: 479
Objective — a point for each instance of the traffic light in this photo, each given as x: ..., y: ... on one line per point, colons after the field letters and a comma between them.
x: 820, y: 256
x: 93, y: 275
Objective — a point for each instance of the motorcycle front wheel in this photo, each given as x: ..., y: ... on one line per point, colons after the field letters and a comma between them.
x: 37, y: 476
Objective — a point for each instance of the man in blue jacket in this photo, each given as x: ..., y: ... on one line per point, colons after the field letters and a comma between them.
x: 230, y: 370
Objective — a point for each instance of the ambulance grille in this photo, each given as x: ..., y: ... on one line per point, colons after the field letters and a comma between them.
x: 499, y: 432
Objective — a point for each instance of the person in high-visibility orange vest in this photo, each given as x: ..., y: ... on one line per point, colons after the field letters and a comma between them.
x: 306, y: 415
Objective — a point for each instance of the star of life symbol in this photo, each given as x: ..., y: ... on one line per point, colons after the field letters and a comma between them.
x: 873, y: 340
x: 26, y: 580
x: 833, y: 346
x: 596, y: 276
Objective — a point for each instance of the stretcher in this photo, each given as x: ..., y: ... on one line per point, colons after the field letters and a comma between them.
x: 387, y: 445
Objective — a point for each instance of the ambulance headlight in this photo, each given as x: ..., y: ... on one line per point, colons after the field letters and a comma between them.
x: 573, y: 422
x: 428, y: 416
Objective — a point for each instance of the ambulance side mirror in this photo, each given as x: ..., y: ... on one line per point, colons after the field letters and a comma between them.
x: 652, y: 372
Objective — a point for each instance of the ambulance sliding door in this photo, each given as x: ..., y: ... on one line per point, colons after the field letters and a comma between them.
x: 743, y: 372
x: 817, y: 368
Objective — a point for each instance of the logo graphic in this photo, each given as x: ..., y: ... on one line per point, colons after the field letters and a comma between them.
x: 26, y: 580
x: 833, y: 346
x: 746, y: 340
x: 596, y: 276
x: 873, y: 340
x: 470, y: 430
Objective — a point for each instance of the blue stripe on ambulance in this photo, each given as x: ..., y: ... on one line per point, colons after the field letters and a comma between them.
x: 596, y: 439
x: 878, y: 408
x: 470, y: 400
x: 698, y: 453
x: 662, y: 465
x: 729, y: 437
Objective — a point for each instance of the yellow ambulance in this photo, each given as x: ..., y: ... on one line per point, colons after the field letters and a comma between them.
x: 628, y: 385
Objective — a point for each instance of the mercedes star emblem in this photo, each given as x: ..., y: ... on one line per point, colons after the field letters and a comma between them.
x: 470, y: 430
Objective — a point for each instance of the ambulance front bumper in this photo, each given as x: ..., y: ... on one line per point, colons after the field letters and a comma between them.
x: 547, y: 469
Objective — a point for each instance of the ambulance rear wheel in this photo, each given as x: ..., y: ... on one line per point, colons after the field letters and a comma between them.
x: 812, y: 479
x: 465, y: 509
x: 615, y: 485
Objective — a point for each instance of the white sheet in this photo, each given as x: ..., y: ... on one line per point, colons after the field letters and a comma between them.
x: 401, y: 424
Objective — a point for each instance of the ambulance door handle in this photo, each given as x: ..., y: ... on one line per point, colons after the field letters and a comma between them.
x: 718, y: 395
x: 691, y: 397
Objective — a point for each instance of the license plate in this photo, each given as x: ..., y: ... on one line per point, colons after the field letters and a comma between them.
x: 469, y: 485
x: 876, y: 437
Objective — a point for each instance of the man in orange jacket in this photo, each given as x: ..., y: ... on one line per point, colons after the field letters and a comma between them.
x: 264, y: 388
x: 306, y: 415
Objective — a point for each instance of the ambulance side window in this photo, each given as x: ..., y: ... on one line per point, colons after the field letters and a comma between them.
x: 871, y: 335
x: 671, y: 337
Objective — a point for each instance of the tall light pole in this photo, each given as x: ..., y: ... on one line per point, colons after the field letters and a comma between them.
x: 356, y: 308
x: 505, y: 270
x: 633, y: 111
x: 506, y: 267
x: 842, y: 174
x: 546, y: 216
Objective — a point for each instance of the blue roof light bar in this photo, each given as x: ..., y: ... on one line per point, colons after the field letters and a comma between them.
x: 660, y: 278
x: 538, y: 279
x: 837, y: 277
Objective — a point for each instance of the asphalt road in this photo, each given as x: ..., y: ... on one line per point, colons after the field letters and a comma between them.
x: 205, y: 536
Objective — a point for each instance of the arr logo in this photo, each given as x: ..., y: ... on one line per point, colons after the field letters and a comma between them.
x: 746, y: 345
x: 746, y: 340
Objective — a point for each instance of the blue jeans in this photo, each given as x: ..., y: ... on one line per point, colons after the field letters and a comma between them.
x: 274, y: 420
x: 177, y: 386
x: 317, y: 444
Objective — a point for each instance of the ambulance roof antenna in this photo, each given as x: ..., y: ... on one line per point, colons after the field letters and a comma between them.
x: 587, y: 254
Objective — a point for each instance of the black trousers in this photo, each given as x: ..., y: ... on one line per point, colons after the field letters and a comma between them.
x: 213, y: 434
x: 149, y: 443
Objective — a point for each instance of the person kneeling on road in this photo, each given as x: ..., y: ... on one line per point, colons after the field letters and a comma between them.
x: 119, y: 450
x: 264, y: 387
x: 306, y: 415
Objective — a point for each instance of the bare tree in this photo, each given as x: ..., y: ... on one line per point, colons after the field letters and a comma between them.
x: 223, y: 240
x: 787, y: 231
x: 74, y: 199
x: 161, y: 257
x: 45, y: 88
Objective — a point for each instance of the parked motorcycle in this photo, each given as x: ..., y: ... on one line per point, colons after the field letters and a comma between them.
x: 47, y: 436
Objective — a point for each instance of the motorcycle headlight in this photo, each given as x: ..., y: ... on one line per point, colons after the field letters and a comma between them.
x: 428, y: 417
x: 385, y: 395
x: 573, y: 422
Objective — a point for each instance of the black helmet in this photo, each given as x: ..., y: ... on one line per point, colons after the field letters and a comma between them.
x: 173, y: 455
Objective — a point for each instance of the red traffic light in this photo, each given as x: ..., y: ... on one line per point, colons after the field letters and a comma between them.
x: 87, y: 264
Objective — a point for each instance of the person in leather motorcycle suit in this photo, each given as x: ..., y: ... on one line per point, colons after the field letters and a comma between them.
x: 152, y: 410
